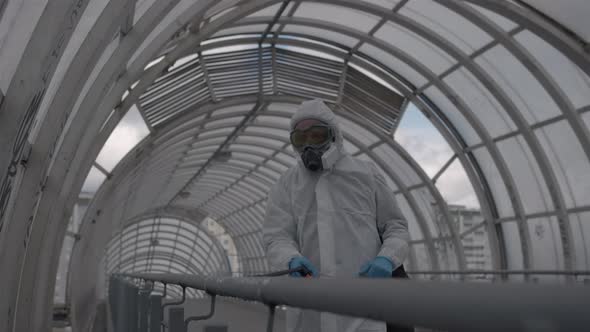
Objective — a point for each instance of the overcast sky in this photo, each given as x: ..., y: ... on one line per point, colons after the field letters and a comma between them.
x: 427, y: 146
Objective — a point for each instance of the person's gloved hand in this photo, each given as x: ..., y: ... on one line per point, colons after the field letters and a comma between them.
x: 380, y: 267
x: 301, y: 261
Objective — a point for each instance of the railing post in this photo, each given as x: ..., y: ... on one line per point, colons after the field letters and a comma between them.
x: 271, y: 318
x: 143, y: 307
x: 207, y: 316
x: 156, y: 313
x: 131, y: 306
x: 116, y: 301
x: 112, y: 303
x: 179, y: 302
x: 176, y: 320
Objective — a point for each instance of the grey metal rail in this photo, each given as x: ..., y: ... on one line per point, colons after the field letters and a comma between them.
x: 505, y: 272
x: 436, y: 305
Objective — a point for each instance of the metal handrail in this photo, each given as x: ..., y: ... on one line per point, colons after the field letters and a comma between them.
x: 505, y: 272
x: 188, y: 320
x: 471, y: 271
x: 436, y: 305
x: 173, y: 303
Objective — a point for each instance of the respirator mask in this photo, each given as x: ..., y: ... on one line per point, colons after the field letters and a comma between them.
x: 315, y: 145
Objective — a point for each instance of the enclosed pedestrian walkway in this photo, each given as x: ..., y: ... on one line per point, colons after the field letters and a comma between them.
x: 142, y: 137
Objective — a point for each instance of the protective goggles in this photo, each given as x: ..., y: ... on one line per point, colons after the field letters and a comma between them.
x: 315, y: 135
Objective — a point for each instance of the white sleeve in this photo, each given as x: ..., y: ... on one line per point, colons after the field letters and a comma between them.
x: 391, y: 224
x: 279, y: 229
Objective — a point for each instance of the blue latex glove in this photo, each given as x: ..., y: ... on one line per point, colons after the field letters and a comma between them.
x: 380, y: 267
x: 301, y: 261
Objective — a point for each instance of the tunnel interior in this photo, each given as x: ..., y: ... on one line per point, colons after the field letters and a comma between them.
x: 144, y: 136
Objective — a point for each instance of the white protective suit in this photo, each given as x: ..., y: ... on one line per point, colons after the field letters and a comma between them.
x: 339, y: 218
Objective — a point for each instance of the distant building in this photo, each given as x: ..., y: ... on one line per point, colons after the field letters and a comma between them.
x: 475, y: 244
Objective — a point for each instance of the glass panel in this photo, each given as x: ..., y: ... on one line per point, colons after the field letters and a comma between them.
x: 394, y: 64
x: 422, y: 141
x: 270, y: 173
x: 547, y: 250
x: 245, y: 29
x: 567, y: 75
x: 413, y: 227
x: 185, y: 243
x: 130, y: 131
x: 455, y: 187
x: 455, y: 117
x: 480, y: 102
x: 270, y: 131
x: 352, y: 149
x: 453, y: 27
x: 258, y: 150
x: 573, y: 16
x: 186, y: 59
x: 389, y: 4
x: 422, y: 259
x: 310, y: 51
x: 580, y: 223
x: 271, y: 10
x: 93, y: 181
x: 221, y: 123
x: 447, y: 256
x: 397, y: 165
x: 326, y: 35
x: 354, y: 19
x: 495, y: 182
x: 425, y: 203
x: 376, y: 74
x: 500, y: 20
x: 257, y: 140
x: 279, y: 167
x: 475, y: 241
x: 425, y: 52
x: 513, y: 245
x: 231, y: 109
x: 283, y: 108
x: 524, y: 90
x: 525, y: 172
x: 361, y: 134
x: 277, y: 121
x: 568, y: 162
x: 388, y: 179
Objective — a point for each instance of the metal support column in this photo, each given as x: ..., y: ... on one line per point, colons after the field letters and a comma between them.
x: 156, y: 313
x: 271, y: 318
x: 176, y: 320
x: 143, y: 307
x: 130, y: 311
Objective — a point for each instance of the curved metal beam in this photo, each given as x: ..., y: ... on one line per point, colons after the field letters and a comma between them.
x: 445, y: 127
x: 457, y: 244
x: 571, y: 48
x: 461, y: 106
x: 456, y: 99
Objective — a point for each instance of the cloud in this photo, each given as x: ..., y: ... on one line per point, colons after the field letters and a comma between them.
x: 130, y: 131
x: 426, y: 145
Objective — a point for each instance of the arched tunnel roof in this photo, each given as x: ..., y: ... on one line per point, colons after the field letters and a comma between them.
x: 506, y: 85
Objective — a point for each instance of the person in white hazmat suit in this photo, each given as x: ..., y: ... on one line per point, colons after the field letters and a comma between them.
x: 332, y: 214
